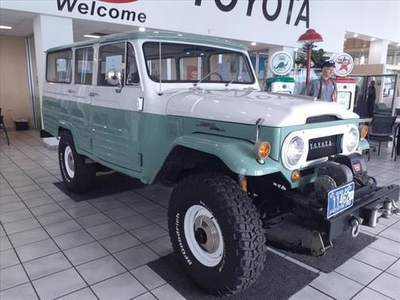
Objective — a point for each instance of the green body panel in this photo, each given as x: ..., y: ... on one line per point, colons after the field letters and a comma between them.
x: 270, y: 80
x: 238, y: 155
x: 363, y: 145
x: 115, y: 137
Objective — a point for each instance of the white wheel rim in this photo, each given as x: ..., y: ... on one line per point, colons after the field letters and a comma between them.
x: 203, y: 236
x: 69, y: 162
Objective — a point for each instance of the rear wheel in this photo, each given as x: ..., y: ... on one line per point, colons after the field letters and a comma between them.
x: 217, y: 233
x: 77, y: 175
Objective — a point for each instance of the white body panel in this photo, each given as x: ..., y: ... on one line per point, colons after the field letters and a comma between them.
x: 248, y: 106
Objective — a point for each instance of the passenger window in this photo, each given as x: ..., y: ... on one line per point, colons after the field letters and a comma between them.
x: 132, y: 73
x: 84, y: 65
x: 59, y: 67
x: 111, y: 57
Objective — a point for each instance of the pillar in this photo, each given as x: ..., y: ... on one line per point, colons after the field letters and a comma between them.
x: 377, y: 52
x: 49, y: 32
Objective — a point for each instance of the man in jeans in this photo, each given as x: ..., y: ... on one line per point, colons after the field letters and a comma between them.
x: 323, y: 88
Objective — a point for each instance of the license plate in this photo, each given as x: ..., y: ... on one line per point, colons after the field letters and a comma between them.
x: 340, y: 199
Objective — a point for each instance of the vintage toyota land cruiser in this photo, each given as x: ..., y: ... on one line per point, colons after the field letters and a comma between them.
x: 188, y: 109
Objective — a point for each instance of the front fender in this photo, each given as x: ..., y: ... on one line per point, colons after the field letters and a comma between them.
x: 237, y: 155
x: 363, y: 145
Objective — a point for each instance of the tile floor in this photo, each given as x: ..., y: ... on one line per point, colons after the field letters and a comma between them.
x: 55, y: 248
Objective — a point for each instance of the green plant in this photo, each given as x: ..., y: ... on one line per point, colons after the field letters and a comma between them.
x: 317, y: 58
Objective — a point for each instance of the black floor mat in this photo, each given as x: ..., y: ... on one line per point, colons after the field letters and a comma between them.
x: 105, y: 185
x: 280, y: 279
x: 344, y: 247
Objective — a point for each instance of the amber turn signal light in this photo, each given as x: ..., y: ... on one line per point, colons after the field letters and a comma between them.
x: 363, y: 131
x: 295, y: 176
x: 262, y: 150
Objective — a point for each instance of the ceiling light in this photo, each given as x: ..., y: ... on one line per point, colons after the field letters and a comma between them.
x: 92, y: 36
x: 373, y: 39
x: 253, y: 43
x: 398, y: 45
x: 355, y: 35
x: 142, y: 29
x: 296, y: 49
x: 5, y: 27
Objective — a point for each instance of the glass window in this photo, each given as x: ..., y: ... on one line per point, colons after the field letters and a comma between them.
x: 132, y: 73
x: 59, y: 67
x: 192, y: 63
x: 111, y: 57
x: 84, y: 65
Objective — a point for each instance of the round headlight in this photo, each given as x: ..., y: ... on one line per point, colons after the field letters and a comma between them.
x: 295, y: 150
x: 351, y: 141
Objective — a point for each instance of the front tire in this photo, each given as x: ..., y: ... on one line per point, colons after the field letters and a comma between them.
x: 216, y: 233
x: 77, y: 175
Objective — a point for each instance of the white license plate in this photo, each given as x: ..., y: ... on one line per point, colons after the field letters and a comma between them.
x: 340, y: 199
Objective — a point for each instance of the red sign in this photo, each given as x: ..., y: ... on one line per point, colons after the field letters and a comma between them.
x: 118, y: 1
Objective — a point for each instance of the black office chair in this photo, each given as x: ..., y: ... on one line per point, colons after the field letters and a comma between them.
x: 382, y: 129
x: 3, y: 127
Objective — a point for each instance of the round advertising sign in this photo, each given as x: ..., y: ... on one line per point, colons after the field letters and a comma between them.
x: 281, y: 63
x: 119, y: 1
x: 343, y: 64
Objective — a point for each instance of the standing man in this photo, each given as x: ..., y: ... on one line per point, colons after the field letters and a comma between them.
x: 323, y: 88
x: 371, y: 96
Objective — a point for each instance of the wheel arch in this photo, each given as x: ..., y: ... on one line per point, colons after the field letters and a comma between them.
x: 235, y: 155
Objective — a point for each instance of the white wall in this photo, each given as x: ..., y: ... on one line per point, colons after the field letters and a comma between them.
x: 244, y: 21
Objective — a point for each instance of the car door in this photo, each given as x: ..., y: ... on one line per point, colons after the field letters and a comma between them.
x: 115, y: 115
x: 80, y: 92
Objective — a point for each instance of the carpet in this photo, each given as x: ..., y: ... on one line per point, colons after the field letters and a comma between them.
x: 280, y: 279
x: 105, y: 185
x: 344, y: 247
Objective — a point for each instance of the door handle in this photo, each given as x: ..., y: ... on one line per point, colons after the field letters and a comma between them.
x: 92, y: 94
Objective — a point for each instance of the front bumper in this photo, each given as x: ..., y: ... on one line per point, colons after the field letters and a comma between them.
x: 370, y: 204
x: 366, y: 210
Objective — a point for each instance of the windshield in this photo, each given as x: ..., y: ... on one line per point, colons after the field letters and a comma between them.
x: 194, y: 63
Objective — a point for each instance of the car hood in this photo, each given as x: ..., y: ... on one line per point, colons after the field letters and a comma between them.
x: 242, y: 106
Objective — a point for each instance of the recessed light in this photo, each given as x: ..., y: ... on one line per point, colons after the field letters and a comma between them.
x: 373, y: 39
x: 253, y: 43
x: 355, y: 35
x: 92, y: 36
x: 142, y: 29
x: 5, y: 27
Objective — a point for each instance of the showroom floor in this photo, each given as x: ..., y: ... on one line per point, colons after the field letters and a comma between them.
x: 55, y: 247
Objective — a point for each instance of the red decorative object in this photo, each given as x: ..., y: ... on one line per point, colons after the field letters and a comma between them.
x: 309, y: 38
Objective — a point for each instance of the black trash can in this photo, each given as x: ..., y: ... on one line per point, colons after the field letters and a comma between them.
x: 21, y: 123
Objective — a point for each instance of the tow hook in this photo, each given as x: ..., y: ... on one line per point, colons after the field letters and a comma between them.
x: 318, y: 247
x: 355, y: 224
x: 389, y: 208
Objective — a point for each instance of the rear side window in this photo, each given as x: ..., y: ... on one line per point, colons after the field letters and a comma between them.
x: 111, y: 57
x: 84, y: 65
x: 59, y: 68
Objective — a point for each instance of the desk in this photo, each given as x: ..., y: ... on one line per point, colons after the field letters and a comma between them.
x: 396, y: 131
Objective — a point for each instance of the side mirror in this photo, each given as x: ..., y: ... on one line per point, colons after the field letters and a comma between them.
x: 114, y: 77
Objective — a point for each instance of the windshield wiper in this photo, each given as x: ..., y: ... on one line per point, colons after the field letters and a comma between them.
x: 205, y: 77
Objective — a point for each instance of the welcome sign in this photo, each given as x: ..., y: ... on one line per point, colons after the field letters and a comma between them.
x: 95, y: 9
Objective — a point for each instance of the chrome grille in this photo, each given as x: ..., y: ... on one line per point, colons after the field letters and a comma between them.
x: 323, y: 146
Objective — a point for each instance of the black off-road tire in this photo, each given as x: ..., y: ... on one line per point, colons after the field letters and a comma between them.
x: 216, y: 201
x: 78, y: 176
